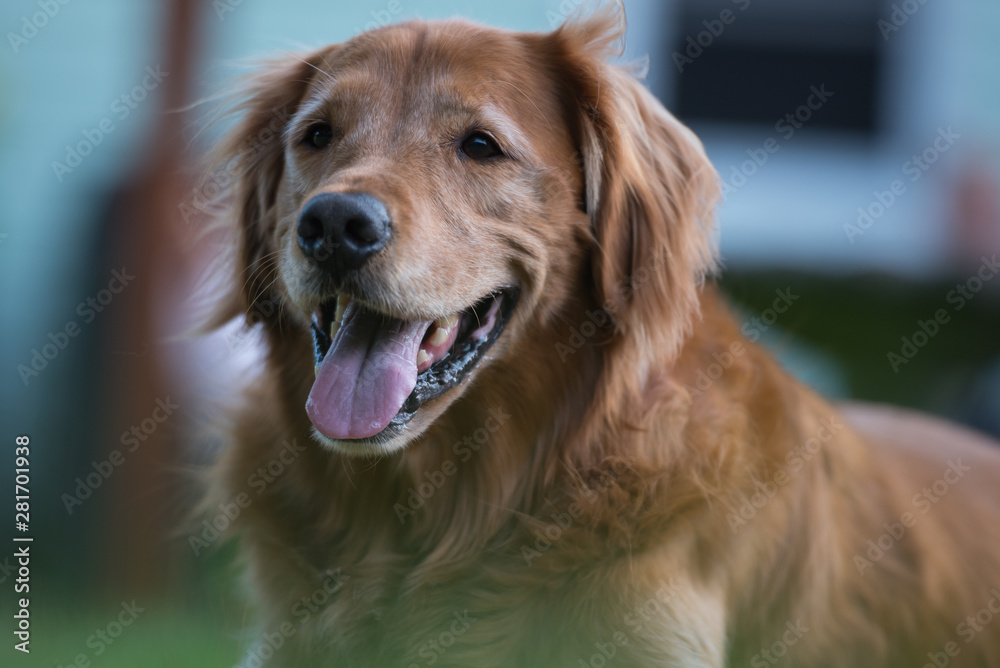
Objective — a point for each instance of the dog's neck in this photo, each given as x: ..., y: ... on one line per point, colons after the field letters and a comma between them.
x: 501, y: 450
x: 504, y: 450
x: 519, y: 444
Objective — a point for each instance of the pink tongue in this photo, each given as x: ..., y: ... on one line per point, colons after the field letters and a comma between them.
x: 367, y: 374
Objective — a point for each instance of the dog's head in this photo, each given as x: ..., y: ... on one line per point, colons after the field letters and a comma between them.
x: 434, y: 195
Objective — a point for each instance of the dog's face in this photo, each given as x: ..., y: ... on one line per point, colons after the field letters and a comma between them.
x: 422, y: 199
x: 440, y: 191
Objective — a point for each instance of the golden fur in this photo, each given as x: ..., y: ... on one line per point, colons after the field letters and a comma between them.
x: 618, y: 506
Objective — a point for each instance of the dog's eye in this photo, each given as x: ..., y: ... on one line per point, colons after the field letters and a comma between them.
x: 318, y: 136
x: 480, y: 146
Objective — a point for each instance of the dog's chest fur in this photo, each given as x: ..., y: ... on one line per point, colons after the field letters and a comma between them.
x: 506, y: 608
x: 357, y: 581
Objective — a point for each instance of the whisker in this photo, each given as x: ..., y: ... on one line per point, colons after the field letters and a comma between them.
x: 328, y: 76
x: 261, y: 293
x: 259, y: 267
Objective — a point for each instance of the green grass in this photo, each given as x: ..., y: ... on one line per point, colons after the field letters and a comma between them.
x: 155, y: 639
x: 859, y: 320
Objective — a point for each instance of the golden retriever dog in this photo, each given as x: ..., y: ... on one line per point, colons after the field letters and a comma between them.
x: 504, y: 419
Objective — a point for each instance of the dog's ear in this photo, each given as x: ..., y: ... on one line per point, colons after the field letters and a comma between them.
x: 650, y: 190
x: 247, y: 166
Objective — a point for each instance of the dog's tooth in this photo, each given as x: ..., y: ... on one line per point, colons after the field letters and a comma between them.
x: 342, y: 302
x: 334, y: 328
x: 439, y: 336
x: 443, y: 329
x: 422, y: 357
x: 316, y: 370
x: 447, y: 322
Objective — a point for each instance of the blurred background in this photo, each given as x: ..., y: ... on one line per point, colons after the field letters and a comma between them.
x: 858, y: 143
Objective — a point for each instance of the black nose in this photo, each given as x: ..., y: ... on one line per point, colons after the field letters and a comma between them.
x: 339, y: 231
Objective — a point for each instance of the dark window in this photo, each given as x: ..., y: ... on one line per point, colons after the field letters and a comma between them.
x: 761, y: 65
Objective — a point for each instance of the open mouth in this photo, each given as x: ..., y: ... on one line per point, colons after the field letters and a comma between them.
x: 374, y: 371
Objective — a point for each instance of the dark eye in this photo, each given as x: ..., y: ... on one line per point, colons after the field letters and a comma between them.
x: 480, y: 146
x: 318, y: 136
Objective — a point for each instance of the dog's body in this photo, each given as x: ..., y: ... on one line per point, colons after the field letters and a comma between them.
x: 583, y: 499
